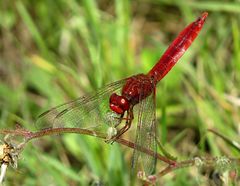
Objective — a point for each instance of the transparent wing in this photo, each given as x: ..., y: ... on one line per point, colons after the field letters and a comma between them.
x: 91, y: 111
x: 146, y: 136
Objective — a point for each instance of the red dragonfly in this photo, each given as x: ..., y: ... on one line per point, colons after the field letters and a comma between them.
x: 111, y: 109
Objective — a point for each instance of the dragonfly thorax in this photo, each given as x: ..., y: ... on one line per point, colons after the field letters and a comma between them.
x: 136, y: 88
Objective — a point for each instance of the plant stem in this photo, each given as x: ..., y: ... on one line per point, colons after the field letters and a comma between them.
x: 220, y: 162
x: 28, y: 135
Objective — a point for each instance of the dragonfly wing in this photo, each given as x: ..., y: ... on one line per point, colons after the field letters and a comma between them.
x: 91, y: 111
x: 146, y: 136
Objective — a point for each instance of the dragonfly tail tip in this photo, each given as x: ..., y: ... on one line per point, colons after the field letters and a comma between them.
x: 204, y: 16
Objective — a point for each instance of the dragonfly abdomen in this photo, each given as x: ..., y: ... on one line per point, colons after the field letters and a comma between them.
x: 177, y: 49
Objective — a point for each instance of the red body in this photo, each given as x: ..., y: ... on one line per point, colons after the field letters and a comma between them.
x: 87, y: 111
x: 177, y: 49
x: 140, y: 86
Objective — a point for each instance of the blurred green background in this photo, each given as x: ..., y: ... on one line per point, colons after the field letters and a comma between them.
x: 55, y: 51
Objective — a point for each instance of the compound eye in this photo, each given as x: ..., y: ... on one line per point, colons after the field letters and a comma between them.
x: 124, y: 104
x: 118, y: 104
x: 114, y: 98
x: 116, y: 109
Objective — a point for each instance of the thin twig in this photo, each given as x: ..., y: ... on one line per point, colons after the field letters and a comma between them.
x: 51, y: 131
x: 223, y: 163
x: 178, y: 165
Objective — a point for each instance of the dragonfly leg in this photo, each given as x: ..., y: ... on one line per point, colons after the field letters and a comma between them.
x: 124, y: 128
x: 120, y: 120
x: 127, y: 124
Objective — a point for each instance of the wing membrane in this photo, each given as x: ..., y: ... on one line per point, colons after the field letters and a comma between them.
x: 91, y: 111
x: 145, y: 135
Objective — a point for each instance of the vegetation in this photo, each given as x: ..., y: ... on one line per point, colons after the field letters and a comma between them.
x: 55, y: 51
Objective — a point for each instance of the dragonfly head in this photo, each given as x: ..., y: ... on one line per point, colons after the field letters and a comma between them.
x: 118, y: 104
